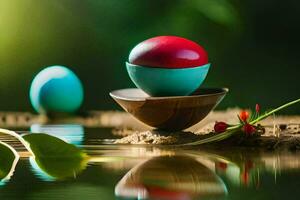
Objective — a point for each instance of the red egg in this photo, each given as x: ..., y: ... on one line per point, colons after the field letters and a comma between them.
x: 168, y: 52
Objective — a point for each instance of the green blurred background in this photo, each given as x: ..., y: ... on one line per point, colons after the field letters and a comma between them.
x: 253, y: 45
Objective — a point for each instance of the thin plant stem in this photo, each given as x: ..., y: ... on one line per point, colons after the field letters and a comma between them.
x: 215, y: 138
x: 274, y: 111
x: 234, y: 129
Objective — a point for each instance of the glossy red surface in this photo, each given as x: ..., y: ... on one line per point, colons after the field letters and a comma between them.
x: 168, y: 52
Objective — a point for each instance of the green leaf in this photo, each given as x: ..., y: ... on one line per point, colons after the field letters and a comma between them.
x: 8, y: 161
x: 54, y: 157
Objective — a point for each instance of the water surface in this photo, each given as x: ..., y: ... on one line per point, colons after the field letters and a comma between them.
x: 155, y: 172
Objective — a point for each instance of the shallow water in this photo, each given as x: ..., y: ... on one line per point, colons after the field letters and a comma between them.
x: 156, y: 172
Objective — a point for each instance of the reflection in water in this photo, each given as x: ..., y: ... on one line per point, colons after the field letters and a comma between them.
x: 118, y: 158
x: 71, y: 133
x: 8, y: 161
x: 156, y: 172
x: 39, y: 172
x: 235, y: 174
x: 249, y: 169
x: 73, y: 192
x: 170, y: 177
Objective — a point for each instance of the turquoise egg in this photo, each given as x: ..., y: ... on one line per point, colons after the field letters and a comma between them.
x: 167, y: 82
x: 56, y: 89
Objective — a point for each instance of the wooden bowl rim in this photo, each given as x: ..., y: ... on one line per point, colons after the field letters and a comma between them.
x: 219, y: 91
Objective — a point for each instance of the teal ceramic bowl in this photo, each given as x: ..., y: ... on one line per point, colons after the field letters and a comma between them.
x: 167, y: 82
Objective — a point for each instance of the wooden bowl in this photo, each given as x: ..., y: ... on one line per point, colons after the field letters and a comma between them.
x: 169, y: 113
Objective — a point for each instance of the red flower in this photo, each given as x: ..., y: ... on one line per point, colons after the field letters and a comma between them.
x: 248, y: 129
x: 257, y: 108
x: 220, y: 127
x: 244, y: 115
x: 245, y: 175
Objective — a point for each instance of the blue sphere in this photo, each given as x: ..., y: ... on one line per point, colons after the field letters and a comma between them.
x: 56, y: 89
